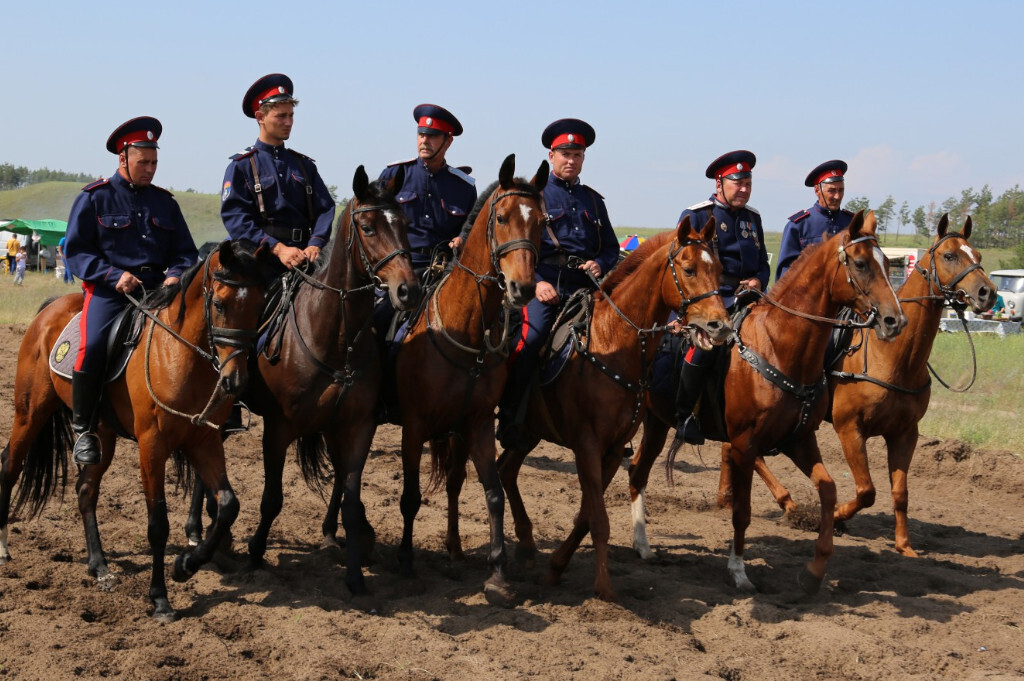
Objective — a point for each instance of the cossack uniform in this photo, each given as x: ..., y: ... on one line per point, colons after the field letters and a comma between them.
x: 815, y: 224
x: 437, y: 202
x: 273, y: 194
x: 116, y: 226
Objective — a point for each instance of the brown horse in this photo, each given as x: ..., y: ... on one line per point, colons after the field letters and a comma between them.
x: 779, y: 406
x: 323, y: 385
x: 883, y: 388
x: 215, y: 305
x: 451, y: 365
x: 609, y: 364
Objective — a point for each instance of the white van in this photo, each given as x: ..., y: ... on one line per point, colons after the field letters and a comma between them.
x: 1010, y: 285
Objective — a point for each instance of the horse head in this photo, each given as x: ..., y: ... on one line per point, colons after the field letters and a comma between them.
x: 514, y: 218
x: 954, y: 268
x: 378, y: 230
x: 234, y: 286
x: 693, y: 287
x: 866, y: 287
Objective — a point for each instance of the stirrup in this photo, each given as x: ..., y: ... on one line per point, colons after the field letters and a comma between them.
x: 87, y: 449
x: 234, y: 423
x: 690, y: 431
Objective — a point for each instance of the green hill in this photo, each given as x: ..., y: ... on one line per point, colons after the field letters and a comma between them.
x: 54, y: 199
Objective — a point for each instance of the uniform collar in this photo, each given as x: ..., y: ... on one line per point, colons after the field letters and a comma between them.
x: 725, y: 207
x: 118, y: 180
x: 818, y: 208
x: 263, y: 146
x: 423, y: 164
x: 565, y: 184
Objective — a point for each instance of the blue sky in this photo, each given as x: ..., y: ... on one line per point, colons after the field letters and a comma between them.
x: 922, y: 99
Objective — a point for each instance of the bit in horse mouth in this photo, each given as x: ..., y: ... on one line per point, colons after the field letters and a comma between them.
x: 700, y: 337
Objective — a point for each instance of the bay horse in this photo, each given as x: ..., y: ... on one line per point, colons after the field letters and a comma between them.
x: 216, y: 305
x: 609, y: 363
x: 322, y: 387
x: 451, y: 369
x: 883, y: 389
x: 779, y: 406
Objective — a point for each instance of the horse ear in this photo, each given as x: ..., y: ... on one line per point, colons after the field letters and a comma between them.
x: 360, y: 183
x: 225, y: 253
x: 943, y: 224
x: 856, y: 224
x: 967, y: 227
x: 397, y: 181
x: 540, y: 180
x: 507, y: 173
x: 708, y: 233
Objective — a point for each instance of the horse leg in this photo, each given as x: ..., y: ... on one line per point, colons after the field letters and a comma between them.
x: 807, y: 457
x: 274, y: 449
x: 509, y: 464
x: 152, y: 460
x: 740, y: 469
x: 855, y: 449
x: 778, y: 491
x: 88, y: 488
x: 194, y: 521
x: 329, y: 527
x: 208, y: 461
x: 348, y: 450
x: 651, y: 444
x: 480, y: 441
x: 455, y: 477
x: 725, y: 479
x: 412, y: 452
x: 900, y: 445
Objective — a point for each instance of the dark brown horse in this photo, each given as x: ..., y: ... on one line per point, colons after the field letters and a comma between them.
x: 451, y: 365
x: 786, y: 335
x: 883, y: 389
x: 323, y: 386
x: 609, y: 365
x: 155, y: 400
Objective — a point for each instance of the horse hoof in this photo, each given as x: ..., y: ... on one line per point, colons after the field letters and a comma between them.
x: 607, y: 596
x: 809, y: 583
x: 107, y: 582
x: 163, y: 612
x: 367, y: 603
x: 181, y: 572
x: 498, y: 593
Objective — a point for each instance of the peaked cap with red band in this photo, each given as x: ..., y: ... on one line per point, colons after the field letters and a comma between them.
x: 432, y: 119
x: 568, y: 133
x: 143, y: 131
x: 275, y: 87
x: 736, y: 165
x: 827, y: 172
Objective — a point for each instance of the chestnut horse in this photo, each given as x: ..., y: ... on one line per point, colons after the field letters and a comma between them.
x: 595, y: 404
x: 451, y: 368
x: 216, y: 304
x: 883, y: 388
x: 778, y: 407
x: 323, y: 385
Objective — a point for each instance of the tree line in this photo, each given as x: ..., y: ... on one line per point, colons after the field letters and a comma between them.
x: 15, y: 177
x: 998, y: 222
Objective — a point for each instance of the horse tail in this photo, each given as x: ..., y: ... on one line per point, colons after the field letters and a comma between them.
x: 441, y: 462
x: 314, y: 462
x: 184, y: 472
x: 46, y: 465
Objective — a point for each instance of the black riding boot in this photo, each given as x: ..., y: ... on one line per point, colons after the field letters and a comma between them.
x: 510, y: 433
x: 86, y: 390
x: 691, y: 382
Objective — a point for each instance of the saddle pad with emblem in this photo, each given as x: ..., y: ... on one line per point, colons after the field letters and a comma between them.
x: 123, y: 339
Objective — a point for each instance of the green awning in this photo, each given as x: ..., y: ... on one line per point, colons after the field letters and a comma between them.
x: 49, y: 231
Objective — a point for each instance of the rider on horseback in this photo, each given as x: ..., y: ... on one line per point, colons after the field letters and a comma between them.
x: 739, y: 245
x: 123, y: 232
x: 578, y: 246
x: 819, y: 222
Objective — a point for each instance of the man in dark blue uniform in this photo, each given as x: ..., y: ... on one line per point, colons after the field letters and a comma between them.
x: 273, y: 195
x: 123, y: 233
x: 739, y: 245
x: 435, y: 196
x: 819, y: 222
x: 578, y: 245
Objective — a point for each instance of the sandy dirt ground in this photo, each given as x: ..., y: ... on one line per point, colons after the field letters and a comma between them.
x: 956, y: 612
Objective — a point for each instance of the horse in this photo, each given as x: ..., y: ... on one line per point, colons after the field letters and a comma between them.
x: 216, y: 304
x: 609, y: 363
x: 883, y: 389
x: 321, y: 388
x: 774, y: 391
x: 450, y: 367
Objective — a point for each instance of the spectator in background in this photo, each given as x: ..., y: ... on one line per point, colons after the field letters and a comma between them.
x: 13, y: 246
x: 20, y: 260
x: 62, y: 261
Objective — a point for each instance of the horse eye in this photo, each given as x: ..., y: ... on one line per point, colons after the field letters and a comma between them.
x: 949, y: 257
x: 501, y: 219
x: 690, y: 272
x: 218, y: 305
x: 368, y: 228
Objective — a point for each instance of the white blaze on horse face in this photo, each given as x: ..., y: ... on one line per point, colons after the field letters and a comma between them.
x: 525, y: 210
x: 390, y: 216
x: 706, y: 257
x: 880, y: 259
x: 970, y: 253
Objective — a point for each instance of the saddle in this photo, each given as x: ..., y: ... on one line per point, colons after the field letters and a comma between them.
x: 571, y: 326
x: 121, y: 343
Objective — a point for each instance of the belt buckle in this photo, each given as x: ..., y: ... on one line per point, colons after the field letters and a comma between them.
x: 297, y: 234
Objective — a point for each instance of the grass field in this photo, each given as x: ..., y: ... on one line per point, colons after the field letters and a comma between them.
x: 990, y: 415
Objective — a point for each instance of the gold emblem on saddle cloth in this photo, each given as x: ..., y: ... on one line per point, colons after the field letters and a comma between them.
x: 62, y: 351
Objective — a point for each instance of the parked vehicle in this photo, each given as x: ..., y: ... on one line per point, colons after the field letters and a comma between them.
x: 1010, y: 285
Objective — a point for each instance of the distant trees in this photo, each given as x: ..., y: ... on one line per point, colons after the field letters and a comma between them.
x: 13, y: 177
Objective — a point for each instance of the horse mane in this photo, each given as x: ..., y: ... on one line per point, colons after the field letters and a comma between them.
x: 519, y: 184
x: 782, y: 286
x: 377, y: 193
x: 635, y: 259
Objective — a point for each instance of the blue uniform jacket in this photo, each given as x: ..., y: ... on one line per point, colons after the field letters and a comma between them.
x: 739, y: 243
x: 113, y: 228
x: 807, y: 227
x: 284, y: 198
x: 435, y: 203
x: 579, y: 221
